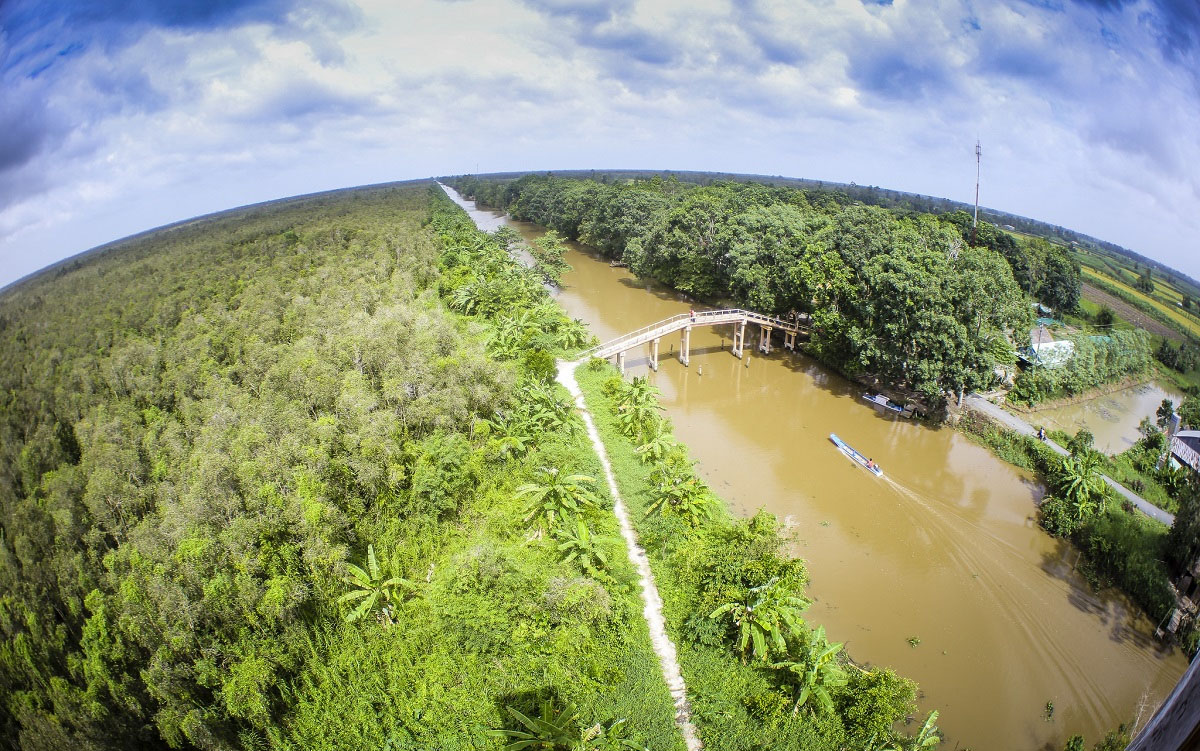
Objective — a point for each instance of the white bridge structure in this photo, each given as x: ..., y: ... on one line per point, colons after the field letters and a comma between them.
x: 685, y: 322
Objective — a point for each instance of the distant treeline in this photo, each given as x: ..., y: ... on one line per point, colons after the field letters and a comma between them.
x: 897, y: 200
x: 905, y: 298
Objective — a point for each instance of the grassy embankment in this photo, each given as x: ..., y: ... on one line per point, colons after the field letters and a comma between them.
x: 735, y: 705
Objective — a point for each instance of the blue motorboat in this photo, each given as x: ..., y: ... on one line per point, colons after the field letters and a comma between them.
x: 849, y: 451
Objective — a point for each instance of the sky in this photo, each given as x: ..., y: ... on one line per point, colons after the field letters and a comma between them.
x: 117, y: 116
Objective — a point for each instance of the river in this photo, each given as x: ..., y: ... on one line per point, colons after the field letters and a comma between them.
x: 943, y: 550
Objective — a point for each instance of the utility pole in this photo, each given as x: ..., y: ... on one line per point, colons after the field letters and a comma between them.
x: 975, y: 219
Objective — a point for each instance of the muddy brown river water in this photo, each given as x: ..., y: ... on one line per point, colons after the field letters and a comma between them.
x: 943, y: 549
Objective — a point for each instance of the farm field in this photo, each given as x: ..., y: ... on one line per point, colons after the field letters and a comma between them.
x: 1188, y: 322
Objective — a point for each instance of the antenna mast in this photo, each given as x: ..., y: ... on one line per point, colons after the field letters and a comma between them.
x: 975, y: 219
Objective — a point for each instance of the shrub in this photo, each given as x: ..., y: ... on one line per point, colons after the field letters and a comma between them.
x: 1057, y: 516
x: 539, y: 365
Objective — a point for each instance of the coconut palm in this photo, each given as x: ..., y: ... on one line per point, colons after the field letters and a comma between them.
x: 556, y: 495
x: 815, y: 673
x: 579, y: 544
x: 764, y: 619
x: 371, y: 589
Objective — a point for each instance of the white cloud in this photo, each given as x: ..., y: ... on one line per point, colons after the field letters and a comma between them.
x: 1083, y: 122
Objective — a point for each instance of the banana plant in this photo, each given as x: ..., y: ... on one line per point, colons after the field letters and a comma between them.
x: 637, y: 408
x: 579, y: 544
x: 551, y: 730
x: 680, y: 493
x: 610, y: 737
x: 556, y: 495
x: 657, y: 445
x: 764, y: 619
x: 927, y: 737
x: 815, y: 673
x: 371, y: 589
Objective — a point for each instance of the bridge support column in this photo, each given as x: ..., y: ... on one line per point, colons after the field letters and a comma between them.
x: 685, y: 345
x: 621, y: 362
x: 764, y: 339
x: 789, y: 340
x: 739, y: 338
x: 654, y: 355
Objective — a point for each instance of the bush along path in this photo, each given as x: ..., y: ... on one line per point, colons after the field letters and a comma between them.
x: 652, y: 610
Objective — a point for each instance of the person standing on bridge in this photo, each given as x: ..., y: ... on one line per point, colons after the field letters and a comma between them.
x: 692, y: 313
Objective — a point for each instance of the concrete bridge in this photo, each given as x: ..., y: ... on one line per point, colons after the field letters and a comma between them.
x: 685, y: 322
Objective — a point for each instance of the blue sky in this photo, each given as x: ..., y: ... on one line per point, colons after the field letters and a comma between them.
x: 119, y: 116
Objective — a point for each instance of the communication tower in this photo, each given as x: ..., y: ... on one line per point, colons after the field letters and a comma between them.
x: 975, y: 219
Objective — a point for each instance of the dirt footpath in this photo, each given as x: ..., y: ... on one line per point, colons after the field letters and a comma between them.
x: 1129, y: 313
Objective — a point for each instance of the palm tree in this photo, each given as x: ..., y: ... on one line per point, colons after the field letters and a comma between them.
x: 549, y: 731
x: 372, y: 589
x: 816, y: 673
x: 764, y: 619
x: 580, y: 544
x: 557, y: 494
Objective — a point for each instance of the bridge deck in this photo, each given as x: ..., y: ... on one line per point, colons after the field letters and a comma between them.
x: 687, y: 320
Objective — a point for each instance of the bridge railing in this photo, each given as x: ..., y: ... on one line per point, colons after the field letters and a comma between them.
x: 704, y: 315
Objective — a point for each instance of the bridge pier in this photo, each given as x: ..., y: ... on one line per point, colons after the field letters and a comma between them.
x: 621, y: 362
x: 764, y: 339
x: 789, y: 340
x: 685, y: 345
x: 739, y: 338
x: 654, y: 354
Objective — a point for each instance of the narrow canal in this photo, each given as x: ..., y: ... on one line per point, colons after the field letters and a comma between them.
x: 1112, y: 418
x: 943, y: 551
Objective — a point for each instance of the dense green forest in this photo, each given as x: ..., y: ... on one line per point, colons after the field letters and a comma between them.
x: 215, y: 436
x: 298, y: 477
x: 904, y: 298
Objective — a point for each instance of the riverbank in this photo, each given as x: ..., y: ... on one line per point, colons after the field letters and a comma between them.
x: 1121, y: 547
x: 736, y: 703
x: 943, y: 548
x: 1084, y: 396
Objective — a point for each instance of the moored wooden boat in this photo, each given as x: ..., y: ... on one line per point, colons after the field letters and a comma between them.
x: 880, y: 400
